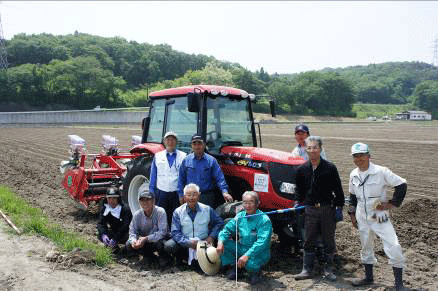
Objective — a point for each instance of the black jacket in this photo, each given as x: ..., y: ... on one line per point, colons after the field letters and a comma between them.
x: 320, y: 186
x: 115, y: 228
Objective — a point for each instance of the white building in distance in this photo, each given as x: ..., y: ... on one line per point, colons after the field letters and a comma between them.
x: 413, y: 115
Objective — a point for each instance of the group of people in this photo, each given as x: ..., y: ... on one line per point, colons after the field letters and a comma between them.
x: 177, y: 218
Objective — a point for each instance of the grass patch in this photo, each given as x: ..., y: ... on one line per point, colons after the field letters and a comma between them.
x: 379, y: 110
x: 32, y: 221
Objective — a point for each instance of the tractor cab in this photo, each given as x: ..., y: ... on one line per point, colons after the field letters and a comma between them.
x: 221, y: 115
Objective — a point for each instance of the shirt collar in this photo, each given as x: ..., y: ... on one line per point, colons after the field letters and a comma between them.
x: 192, y: 211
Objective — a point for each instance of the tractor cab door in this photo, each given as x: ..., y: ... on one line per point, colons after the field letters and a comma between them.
x: 171, y: 114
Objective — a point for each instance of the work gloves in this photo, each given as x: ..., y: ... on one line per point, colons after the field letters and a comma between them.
x: 339, y: 216
x: 105, y: 239
x: 108, y: 242
x: 380, y: 216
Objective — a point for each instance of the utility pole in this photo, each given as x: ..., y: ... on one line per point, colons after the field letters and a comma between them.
x: 3, y: 54
x: 435, y: 52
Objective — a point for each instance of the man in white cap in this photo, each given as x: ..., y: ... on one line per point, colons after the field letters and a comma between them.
x: 148, y: 227
x: 369, y: 212
x: 164, y: 175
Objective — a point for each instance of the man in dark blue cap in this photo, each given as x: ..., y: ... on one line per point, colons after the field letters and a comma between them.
x: 202, y: 169
x: 301, y: 133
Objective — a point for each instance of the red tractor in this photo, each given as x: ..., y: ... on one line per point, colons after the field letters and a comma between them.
x: 223, y: 117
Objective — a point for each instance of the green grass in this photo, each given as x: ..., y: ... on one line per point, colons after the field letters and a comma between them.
x: 379, y: 110
x: 32, y: 221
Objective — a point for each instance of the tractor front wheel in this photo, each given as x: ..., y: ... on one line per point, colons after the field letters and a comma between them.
x: 137, y: 175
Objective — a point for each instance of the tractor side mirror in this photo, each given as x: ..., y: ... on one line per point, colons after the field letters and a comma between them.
x: 272, y: 107
x: 193, y: 102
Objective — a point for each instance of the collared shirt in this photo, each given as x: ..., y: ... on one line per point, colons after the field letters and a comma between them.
x: 319, y: 185
x: 202, y: 172
x: 215, y: 224
x: 154, y: 227
x: 300, y: 151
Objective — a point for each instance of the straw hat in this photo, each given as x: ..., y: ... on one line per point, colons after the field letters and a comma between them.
x: 208, y: 258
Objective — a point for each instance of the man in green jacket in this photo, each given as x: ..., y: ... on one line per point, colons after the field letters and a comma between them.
x: 253, y: 240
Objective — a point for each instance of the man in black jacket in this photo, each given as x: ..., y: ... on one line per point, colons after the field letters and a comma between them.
x: 319, y: 188
x: 114, y: 219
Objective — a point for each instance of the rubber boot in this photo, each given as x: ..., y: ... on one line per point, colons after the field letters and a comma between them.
x: 368, y: 280
x: 328, y: 267
x: 308, y: 264
x: 398, y: 276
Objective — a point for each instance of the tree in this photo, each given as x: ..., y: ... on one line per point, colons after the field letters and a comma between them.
x: 426, y: 97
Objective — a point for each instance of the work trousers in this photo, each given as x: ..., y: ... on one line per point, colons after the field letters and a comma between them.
x: 320, y: 221
x: 212, y: 198
x: 254, y: 264
x: 368, y: 229
x: 169, y: 201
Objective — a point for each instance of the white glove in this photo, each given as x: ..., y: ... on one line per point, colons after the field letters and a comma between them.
x: 380, y: 216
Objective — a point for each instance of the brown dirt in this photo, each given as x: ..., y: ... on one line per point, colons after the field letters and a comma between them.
x: 29, y: 166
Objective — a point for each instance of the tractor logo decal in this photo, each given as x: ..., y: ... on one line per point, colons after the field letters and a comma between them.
x: 250, y: 164
x: 69, y: 181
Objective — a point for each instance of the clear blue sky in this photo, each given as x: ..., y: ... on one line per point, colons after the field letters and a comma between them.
x: 280, y: 36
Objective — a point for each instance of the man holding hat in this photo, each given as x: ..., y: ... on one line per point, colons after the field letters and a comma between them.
x: 202, y: 169
x: 164, y: 175
x: 192, y: 222
x: 114, y: 219
x: 148, y: 227
x: 369, y: 212
x: 301, y: 133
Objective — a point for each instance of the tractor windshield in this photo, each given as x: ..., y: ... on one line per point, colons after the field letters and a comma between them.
x: 172, y: 115
x: 228, y: 123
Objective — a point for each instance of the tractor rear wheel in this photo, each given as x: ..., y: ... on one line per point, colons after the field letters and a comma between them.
x: 136, y: 175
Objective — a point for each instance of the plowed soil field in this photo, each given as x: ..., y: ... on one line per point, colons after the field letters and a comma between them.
x: 29, y: 165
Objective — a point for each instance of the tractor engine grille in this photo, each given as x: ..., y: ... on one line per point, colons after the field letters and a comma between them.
x: 283, y: 179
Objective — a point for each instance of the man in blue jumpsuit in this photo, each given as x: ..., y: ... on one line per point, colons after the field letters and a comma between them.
x: 202, y: 169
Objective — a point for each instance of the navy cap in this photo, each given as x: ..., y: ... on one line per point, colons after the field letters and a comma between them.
x: 302, y: 127
x: 197, y: 137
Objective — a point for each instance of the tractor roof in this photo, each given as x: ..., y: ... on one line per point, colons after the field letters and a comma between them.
x: 202, y: 89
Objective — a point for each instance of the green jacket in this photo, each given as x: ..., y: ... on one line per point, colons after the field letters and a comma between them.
x: 254, y: 235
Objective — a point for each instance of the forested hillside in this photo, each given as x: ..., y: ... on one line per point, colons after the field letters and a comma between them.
x: 81, y: 71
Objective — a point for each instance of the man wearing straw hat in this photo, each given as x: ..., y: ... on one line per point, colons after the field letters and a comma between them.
x: 253, y: 240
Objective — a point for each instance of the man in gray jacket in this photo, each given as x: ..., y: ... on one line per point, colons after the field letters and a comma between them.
x: 148, y: 227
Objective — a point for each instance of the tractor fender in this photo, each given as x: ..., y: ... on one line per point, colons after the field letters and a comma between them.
x: 147, y: 148
x: 138, y: 172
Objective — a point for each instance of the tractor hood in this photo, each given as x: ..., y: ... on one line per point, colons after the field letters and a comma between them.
x: 262, y: 154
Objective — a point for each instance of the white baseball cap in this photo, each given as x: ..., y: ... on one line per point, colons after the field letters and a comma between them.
x: 170, y: 133
x: 359, y: 148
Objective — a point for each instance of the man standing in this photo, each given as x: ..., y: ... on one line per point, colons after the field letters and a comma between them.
x: 191, y: 222
x: 301, y: 133
x: 201, y: 169
x: 148, y: 227
x: 164, y: 175
x: 319, y: 188
x: 369, y: 212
